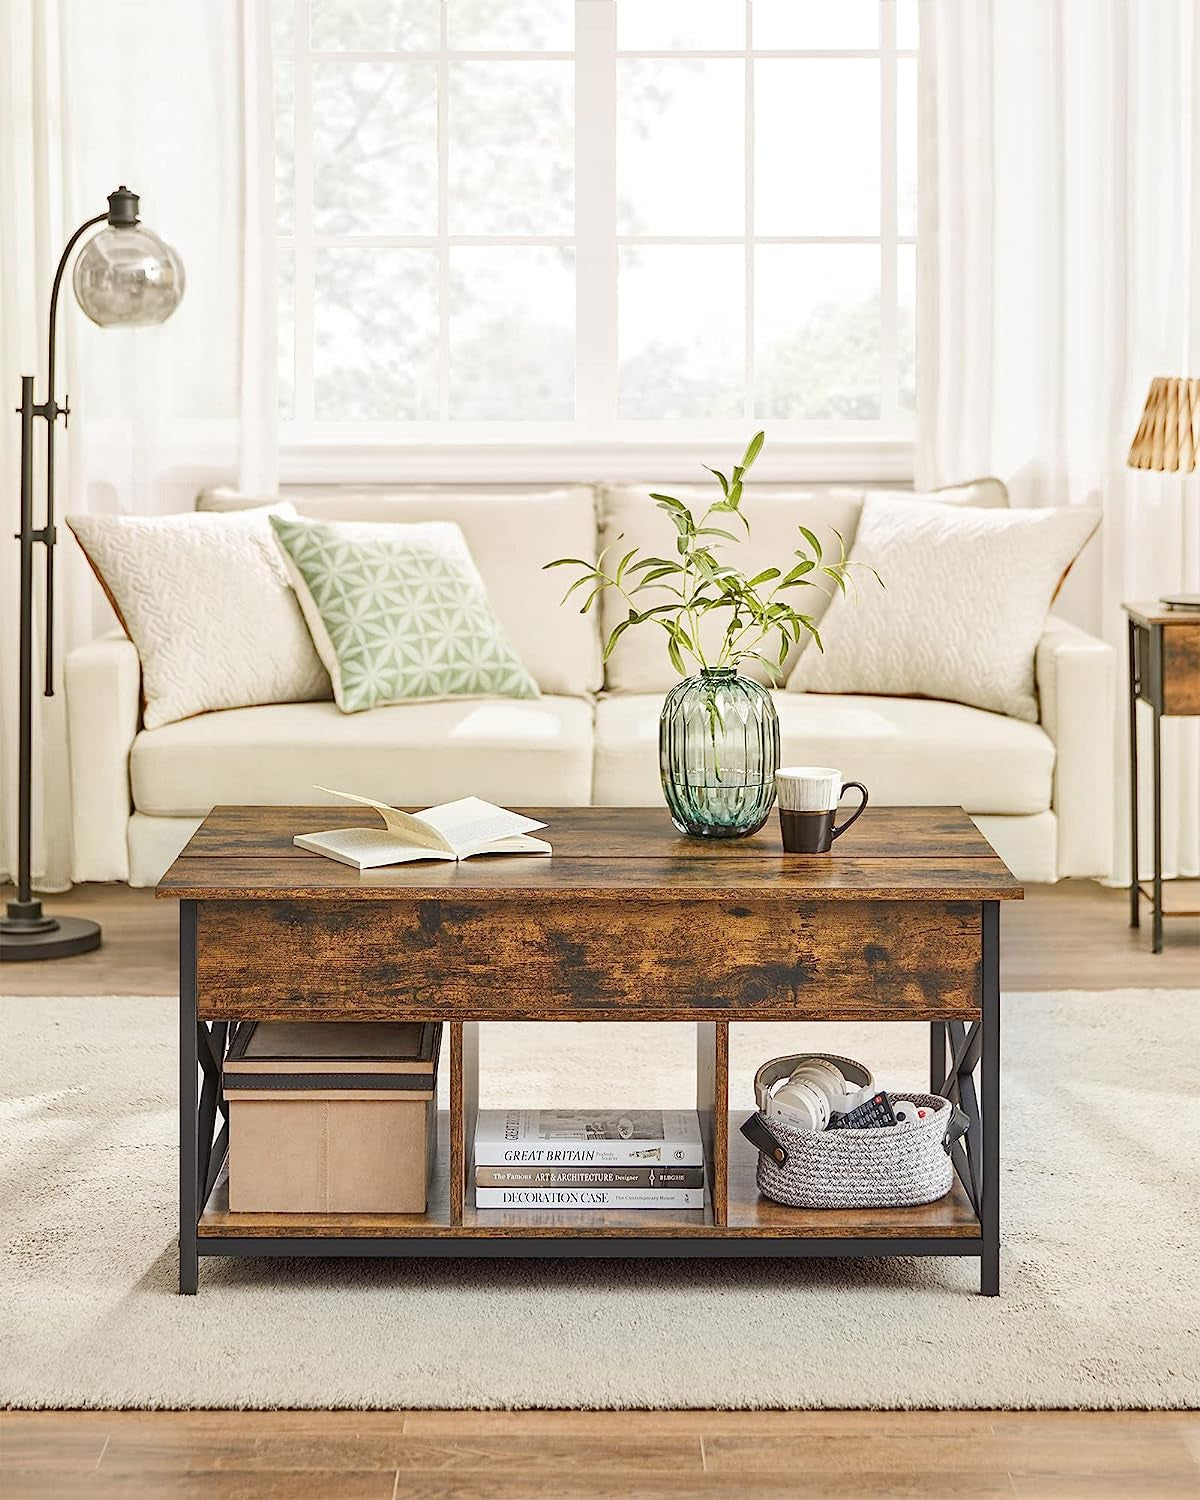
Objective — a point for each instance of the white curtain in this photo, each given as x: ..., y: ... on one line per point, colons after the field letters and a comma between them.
x: 172, y: 98
x: 1059, y: 271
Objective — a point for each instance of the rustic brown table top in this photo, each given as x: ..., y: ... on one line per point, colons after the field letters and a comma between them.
x: 1157, y: 613
x: 892, y: 854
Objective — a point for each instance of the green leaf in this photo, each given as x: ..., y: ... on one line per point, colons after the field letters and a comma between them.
x: 724, y: 483
x: 618, y: 631
x: 565, y: 562
x: 836, y: 575
x: 676, y: 659
x: 755, y: 448
x: 716, y: 531
x: 764, y: 577
x: 589, y: 577
x: 812, y: 539
x: 599, y: 589
x: 624, y: 563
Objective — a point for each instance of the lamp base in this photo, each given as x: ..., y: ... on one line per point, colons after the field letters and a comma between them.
x: 1181, y: 601
x: 27, y: 934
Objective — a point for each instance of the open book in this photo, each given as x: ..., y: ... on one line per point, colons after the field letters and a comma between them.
x: 454, y: 830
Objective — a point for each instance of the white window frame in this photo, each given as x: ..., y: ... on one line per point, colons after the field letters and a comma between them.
x: 597, y: 443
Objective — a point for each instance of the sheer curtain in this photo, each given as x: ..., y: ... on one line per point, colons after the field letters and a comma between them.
x: 171, y: 97
x: 1060, y: 270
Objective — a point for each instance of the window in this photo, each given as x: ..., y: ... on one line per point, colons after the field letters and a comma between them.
x: 595, y: 219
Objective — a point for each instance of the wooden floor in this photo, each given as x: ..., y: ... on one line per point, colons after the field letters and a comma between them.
x: 1073, y: 935
x: 573, y: 1455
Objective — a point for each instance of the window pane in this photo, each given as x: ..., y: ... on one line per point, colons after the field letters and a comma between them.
x: 513, y: 26
x: 375, y: 148
x: 906, y: 328
x: 375, y: 333
x: 512, y: 153
x: 816, y: 332
x: 680, y: 135
x: 816, y: 147
x: 285, y: 147
x: 906, y: 23
x: 681, y: 331
x: 710, y: 25
x: 283, y: 26
x: 286, y: 334
x: 512, y: 333
x: 375, y: 25
x: 800, y: 25
x: 906, y: 144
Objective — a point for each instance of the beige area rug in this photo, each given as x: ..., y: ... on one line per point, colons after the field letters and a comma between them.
x: 1101, y: 1212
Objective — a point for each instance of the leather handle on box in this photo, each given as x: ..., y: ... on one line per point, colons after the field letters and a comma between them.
x: 759, y: 1134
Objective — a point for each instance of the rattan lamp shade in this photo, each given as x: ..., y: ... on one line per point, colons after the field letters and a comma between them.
x: 1168, y: 436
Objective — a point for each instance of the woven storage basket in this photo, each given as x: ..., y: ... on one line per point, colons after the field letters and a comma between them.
x: 892, y: 1167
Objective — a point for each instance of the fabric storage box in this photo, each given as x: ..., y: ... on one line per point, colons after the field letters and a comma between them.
x: 332, y: 1116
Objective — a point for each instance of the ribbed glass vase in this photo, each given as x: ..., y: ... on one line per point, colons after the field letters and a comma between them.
x: 718, y: 748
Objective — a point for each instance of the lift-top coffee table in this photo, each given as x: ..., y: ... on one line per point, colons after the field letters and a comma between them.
x: 629, y: 921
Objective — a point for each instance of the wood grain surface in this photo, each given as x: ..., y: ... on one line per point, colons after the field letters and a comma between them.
x: 1181, y: 669
x: 916, y: 854
x: 598, y: 1455
x: 469, y: 959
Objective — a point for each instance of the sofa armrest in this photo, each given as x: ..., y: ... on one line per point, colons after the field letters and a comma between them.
x: 103, y: 688
x: 1075, y: 681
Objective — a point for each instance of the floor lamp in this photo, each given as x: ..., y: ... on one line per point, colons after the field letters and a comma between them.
x: 124, y: 277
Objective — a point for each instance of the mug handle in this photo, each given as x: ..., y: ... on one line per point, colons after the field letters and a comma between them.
x: 856, y: 814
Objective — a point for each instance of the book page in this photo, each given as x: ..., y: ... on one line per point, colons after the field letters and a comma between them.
x: 409, y: 830
x: 470, y: 824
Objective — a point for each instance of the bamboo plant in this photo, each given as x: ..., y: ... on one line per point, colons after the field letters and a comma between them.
x: 700, y: 581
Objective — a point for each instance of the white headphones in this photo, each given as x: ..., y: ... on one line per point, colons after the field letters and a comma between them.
x: 806, y: 1089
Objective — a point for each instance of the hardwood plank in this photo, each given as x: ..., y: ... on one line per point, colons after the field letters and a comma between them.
x: 468, y: 960
x: 147, y: 1483
x: 712, y: 1104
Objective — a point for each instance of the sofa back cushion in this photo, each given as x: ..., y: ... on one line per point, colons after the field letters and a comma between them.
x: 629, y: 518
x: 510, y: 535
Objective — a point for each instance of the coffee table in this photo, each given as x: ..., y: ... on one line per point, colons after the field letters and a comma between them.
x: 628, y: 921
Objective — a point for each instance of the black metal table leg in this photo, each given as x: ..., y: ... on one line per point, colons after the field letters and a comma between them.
x: 989, y: 1265
x: 937, y: 1057
x: 1135, y: 894
x: 189, y: 1061
x: 1156, y: 709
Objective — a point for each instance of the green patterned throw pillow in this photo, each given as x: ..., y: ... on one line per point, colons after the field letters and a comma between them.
x: 399, y: 612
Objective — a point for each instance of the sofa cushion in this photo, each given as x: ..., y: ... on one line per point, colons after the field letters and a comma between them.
x: 629, y: 518
x: 510, y: 535
x: 398, y: 612
x: 207, y: 603
x: 909, y: 751
x: 966, y: 598
x: 511, y: 751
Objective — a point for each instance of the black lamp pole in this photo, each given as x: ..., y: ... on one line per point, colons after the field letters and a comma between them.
x: 116, y: 293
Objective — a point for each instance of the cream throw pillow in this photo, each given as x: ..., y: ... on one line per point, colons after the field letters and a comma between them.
x: 207, y: 602
x: 965, y: 601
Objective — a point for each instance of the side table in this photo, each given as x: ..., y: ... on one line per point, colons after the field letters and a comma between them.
x: 1164, y: 671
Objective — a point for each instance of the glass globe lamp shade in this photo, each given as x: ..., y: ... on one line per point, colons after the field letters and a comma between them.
x: 128, y: 277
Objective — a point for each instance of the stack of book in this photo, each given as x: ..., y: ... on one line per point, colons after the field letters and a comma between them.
x: 583, y: 1158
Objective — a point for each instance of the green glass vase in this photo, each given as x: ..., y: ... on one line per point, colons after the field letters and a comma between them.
x: 718, y: 749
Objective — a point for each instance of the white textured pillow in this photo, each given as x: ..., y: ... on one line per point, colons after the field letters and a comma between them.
x: 966, y: 598
x: 207, y: 602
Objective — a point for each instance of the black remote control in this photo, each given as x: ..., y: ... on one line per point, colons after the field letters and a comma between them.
x: 871, y: 1115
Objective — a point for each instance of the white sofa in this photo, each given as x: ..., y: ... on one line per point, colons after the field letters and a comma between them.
x: 1040, y: 792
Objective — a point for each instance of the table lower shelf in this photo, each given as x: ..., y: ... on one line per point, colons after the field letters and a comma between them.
x: 949, y: 1226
